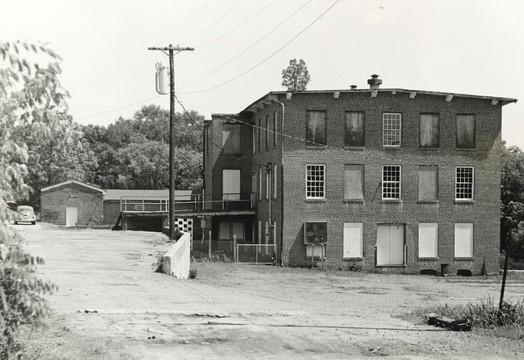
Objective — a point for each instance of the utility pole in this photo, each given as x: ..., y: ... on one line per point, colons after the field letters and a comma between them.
x: 169, y: 51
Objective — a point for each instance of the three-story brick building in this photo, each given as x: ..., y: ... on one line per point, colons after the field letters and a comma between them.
x: 382, y: 179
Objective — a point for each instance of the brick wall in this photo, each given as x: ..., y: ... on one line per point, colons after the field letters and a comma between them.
x: 88, y: 201
x: 483, y: 212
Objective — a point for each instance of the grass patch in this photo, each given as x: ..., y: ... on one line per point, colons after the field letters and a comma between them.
x: 507, y: 322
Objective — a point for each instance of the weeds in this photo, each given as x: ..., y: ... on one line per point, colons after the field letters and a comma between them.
x: 486, y: 315
x: 193, y: 273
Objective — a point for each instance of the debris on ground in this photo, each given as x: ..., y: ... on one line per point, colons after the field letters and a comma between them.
x: 445, y: 322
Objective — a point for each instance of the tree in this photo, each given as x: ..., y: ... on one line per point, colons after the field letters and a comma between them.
x: 512, y: 201
x: 296, y: 76
x: 30, y: 95
x: 133, y: 153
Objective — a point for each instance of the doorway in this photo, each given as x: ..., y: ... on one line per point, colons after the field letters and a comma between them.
x: 390, y: 244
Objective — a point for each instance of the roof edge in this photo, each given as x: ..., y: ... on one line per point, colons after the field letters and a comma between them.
x: 47, y: 188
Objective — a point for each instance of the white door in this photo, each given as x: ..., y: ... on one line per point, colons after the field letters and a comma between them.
x: 390, y: 244
x: 71, y: 216
x: 231, y: 184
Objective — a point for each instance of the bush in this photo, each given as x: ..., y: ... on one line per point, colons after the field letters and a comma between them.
x: 192, y: 273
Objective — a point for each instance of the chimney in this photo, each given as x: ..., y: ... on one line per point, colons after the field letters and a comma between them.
x: 374, y: 82
x: 353, y: 87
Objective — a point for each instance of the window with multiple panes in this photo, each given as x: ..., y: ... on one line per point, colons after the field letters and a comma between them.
x: 391, y: 129
x: 353, y: 182
x: 429, y: 131
x: 465, y: 131
x: 316, y: 128
x: 268, y: 185
x: 254, y: 135
x: 275, y: 128
x: 353, y: 240
x: 464, y: 240
x: 354, y: 131
x: 464, y: 183
x: 427, y: 240
x: 390, y: 182
x: 427, y: 183
x: 315, y: 182
x: 231, y: 139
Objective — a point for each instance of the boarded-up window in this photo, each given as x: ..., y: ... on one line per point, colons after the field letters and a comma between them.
x: 464, y: 240
x: 427, y: 240
x: 207, y: 141
x: 390, y: 245
x: 353, y: 182
x: 268, y: 186
x: 260, y: 185
x: 316, y: 128
x: 427, y: 183
x: 231, y: 138
x: 254, y: 135
x: 466, y: 131
x: 429, y: 131
x: 353, y: 240
x: 230, y: 184
x: 259, y: 131
x: 354, y: 134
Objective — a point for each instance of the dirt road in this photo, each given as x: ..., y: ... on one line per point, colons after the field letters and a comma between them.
x: 108, y: 290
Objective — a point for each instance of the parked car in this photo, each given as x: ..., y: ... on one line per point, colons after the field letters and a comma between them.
x: 26, y: 214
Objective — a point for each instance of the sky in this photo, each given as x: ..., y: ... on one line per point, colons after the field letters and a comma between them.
x: 241, y: 47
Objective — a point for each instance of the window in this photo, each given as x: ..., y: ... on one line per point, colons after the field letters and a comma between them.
x: 427, y: 240
x: 354, y: 134
x: 230, y: 184
x: 316, y: 128
x: 254, y: 135
x: 464, y: 240
x: 260, y: 187
x: 268, y: 185
x: 429, y: 131
x: 266, y: 139
x: 391, y: 129
x: 353, y: 182
x: 275, y: 128
x: 427, y: 183
x: 259, y: 131
x: 315, y: 232
x: 353, y: 240
x: 465, y: 131
x: 315, y: 182
x: 254, y: 184
x: 390, y: 182
x: 464, y: 183
x: 231, y: 138
x: 275, y: 181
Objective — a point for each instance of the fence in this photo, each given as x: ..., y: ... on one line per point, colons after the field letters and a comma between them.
x: 255, y: 253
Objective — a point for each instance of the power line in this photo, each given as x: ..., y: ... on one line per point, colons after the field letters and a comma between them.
x: 118, y: 108
x: 268, y: 57
x: 187, y: 22
x: 250, y: 46
x: 215, y: 22
x: 236, y: 27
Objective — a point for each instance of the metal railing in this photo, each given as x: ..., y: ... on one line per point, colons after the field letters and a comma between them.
x: 195, y: 203
x: 255, y: 253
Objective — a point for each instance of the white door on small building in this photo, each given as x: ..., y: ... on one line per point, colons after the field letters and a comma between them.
x: 390, y: 244
x: 71, y: 216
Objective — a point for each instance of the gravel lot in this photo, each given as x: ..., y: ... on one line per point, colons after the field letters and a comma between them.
x: 108, y: 291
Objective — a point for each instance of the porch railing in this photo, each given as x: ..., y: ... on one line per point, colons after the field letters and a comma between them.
x: 255, y: 253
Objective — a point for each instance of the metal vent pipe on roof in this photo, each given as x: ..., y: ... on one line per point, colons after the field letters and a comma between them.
x: 374, y: 82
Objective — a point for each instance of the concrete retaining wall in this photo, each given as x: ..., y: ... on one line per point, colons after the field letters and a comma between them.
x: 177, y: 260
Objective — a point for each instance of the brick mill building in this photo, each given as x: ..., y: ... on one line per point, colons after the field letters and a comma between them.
x: 382, y: 179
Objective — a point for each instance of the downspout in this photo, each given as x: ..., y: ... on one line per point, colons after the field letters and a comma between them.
x: 281, y: 179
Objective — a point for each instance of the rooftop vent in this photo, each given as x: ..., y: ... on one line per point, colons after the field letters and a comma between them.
x: 374, y: 82
x: 353, y: 87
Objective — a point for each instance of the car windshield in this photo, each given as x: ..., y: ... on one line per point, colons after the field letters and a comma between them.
x: 24, y: 209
